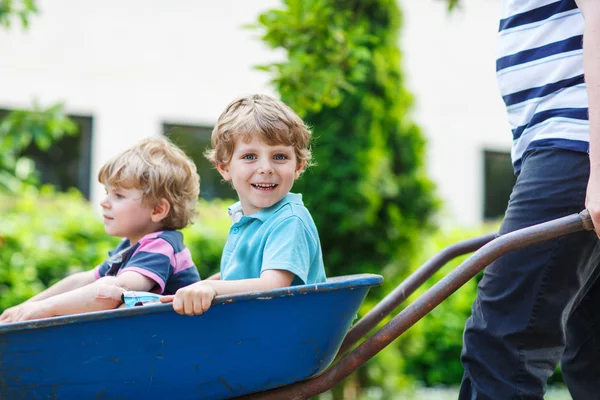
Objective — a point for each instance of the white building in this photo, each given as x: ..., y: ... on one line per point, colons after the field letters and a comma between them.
x: 139, y: 68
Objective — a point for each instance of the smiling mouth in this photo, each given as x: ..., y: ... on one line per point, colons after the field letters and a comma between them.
x: 264, y: 186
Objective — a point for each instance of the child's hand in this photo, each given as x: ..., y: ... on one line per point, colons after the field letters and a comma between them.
x: 8, y: 314
x: 26, y: 312
x: 192, y: 300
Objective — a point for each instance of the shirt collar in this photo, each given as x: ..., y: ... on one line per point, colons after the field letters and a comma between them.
x: 236, y: 213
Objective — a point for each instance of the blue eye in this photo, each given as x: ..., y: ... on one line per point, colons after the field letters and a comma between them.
x: 280, y: 157
x: 119, y: 196
x: 249, y: 157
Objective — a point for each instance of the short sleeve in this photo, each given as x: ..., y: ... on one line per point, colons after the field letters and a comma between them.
x: 290, y: 247
x: 152, y: 259
x: 101, y: 270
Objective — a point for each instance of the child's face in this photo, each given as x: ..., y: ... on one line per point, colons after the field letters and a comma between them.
x: 261, y: 174
x: 125, y: 215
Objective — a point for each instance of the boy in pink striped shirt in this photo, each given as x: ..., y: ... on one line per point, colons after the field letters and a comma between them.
x: 151, y: 193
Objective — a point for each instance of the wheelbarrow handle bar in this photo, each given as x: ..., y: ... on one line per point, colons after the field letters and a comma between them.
x: 408, y: 286
x: 427, y: 302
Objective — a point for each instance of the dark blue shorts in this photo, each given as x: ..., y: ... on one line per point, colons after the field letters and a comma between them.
x: 539, y: 305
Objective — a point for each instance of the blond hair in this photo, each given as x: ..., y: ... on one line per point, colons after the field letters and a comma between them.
x: 272, y: 120
x: 160, y: 170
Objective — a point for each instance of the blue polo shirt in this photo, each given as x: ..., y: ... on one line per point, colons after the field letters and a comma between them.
x: 283, y: 236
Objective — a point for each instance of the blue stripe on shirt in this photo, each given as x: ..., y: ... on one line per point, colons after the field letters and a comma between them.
x: 541, y: 91
x: 537, y: 14
x: 522, y: 57
x: 573, y: 113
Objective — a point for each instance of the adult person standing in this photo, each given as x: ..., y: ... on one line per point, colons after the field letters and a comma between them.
x: 540, y: 306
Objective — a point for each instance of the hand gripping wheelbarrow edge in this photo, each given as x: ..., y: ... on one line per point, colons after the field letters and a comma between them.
x: 489, y: 248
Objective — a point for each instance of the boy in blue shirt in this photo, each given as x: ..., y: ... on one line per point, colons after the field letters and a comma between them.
x: 261, y: 146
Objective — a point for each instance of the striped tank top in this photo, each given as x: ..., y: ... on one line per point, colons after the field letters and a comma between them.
x: 540, y: 75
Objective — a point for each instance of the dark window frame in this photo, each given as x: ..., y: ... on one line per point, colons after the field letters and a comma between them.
x: 212, y: 185
x: 81, y: 180
x: 498, y: 181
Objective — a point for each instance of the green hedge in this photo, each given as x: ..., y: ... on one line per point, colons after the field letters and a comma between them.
x: 45, y: 236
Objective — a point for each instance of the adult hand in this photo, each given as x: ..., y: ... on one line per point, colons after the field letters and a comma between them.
x: 592, y: 201
x: 193, y: 299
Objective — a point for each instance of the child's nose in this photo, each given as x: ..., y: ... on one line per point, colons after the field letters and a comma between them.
x: 104, y: 203
x: 265, y: 168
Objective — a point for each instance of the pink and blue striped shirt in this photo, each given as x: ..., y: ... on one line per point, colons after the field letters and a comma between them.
x: 160, y: 256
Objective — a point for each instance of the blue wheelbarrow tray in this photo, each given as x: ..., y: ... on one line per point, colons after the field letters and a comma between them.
x: 243, y: 344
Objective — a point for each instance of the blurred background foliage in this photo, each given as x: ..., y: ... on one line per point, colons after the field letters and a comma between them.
x: 21, y: 10
x: 369, y: 193
x: 21, y: 129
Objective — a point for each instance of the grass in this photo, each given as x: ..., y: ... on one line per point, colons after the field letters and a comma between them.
x: 440, y: 393
x: 553, y: 393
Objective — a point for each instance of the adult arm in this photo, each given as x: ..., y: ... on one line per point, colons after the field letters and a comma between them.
x: 591, y: 64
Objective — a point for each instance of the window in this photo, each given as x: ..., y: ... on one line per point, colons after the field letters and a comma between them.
x: 67, y: 163
x: 194, y: 140
x: 499, y: 179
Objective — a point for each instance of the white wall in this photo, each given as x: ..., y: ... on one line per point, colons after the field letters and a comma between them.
x: 135, y: 64
x: 450, y: 66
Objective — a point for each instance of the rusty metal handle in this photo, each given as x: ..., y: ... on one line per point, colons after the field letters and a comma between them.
x: 586, y: 220
x: 427, y: 302
x: 408, y: 286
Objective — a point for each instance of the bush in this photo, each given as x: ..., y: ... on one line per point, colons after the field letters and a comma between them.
x: 22, y: 129
x: 45, y: 235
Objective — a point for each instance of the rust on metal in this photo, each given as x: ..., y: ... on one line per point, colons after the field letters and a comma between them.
x: 586, y: 220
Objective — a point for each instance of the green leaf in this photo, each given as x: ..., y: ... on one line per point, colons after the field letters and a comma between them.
x: 18, y: 130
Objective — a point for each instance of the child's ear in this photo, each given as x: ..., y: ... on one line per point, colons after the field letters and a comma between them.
x: 161, y: 210
x: 299, y: 167
x: 224, y: 171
